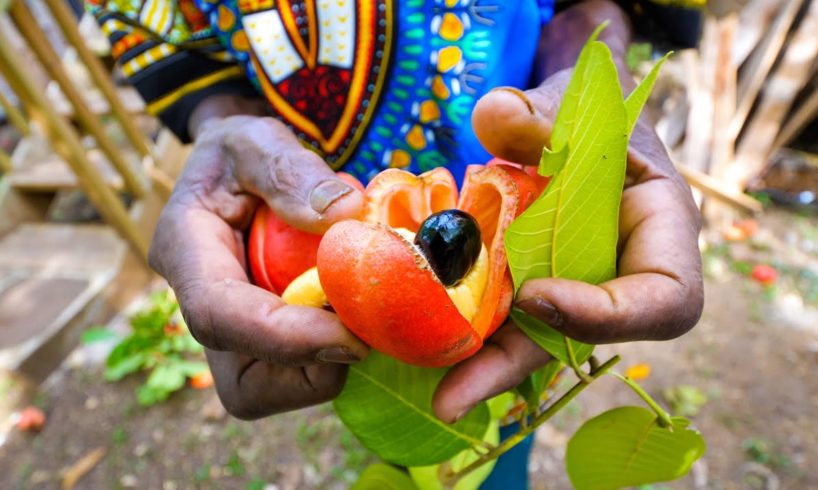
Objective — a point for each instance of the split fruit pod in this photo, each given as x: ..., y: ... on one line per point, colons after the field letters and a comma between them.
x: 408, y: 279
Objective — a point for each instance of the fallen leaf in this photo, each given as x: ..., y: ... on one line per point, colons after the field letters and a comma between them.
x: 79, y: 469
x: 638, y: 372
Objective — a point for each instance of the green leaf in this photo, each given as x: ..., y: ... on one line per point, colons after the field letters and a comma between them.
x: 636, y: 100
x: 428, y: 477
x: 167, y: 377
x: 569, y: 105
x: 626, y: 447
x: 552, y: 161
x: 571, y: 231
x: 388, y: 406
x: 549, y: 339
x: 125, y: 366
x: 96, y: 334
x: 500, y: 405
x: 129, y: 346
x: 383, y: 477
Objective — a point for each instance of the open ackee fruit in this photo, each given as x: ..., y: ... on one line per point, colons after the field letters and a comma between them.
x: 422, y: 276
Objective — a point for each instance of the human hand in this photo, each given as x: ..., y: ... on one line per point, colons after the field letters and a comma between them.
x: 658, y: 293
x: 266, y: 356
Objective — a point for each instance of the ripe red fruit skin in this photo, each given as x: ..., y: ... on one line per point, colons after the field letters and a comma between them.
x: 764, y: 274
x: 277, y: 252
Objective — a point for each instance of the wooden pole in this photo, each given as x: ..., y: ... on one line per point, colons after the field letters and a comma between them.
x: 14, y: 116
x: 717, y: 190
x: 66, y: 142
x: 65, y: 19
x: 37, y: 41
x: 5, y: 162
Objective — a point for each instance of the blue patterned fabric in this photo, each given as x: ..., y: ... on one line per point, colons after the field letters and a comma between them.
x: 445, y: 54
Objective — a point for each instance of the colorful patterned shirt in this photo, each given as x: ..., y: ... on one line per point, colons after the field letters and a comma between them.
x: 367, y: 84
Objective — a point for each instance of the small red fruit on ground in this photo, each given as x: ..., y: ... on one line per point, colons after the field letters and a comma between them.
x: 30, y: 419
x: 764, y: 274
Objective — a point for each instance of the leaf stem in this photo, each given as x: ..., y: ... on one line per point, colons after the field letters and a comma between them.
x: 663, y: 416
x: 540, y: 418
x: 572, y: 360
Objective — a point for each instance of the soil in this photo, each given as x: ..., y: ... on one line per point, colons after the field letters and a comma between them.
x: 752, y: 362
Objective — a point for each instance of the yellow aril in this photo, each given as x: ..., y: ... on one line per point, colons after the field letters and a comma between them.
x: 305, y: 290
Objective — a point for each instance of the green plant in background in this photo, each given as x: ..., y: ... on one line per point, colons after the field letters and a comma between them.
x: 160, y: 344
x: 571, y: 232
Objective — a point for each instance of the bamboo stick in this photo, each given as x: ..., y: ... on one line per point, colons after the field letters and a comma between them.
x: 35, y: 37
x: 102, y: 79
x: 5, y: 162
x: 14, y: 116
x: 66, y: 142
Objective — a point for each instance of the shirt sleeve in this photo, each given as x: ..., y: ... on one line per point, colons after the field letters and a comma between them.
x: 168, y: 52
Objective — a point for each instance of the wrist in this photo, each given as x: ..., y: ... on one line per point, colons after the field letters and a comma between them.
x: 220, y: 106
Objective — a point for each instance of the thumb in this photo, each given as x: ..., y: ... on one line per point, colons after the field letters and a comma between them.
x: 296, y: 183
x: 515, y: 125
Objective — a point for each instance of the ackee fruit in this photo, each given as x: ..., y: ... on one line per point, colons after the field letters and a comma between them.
x: 422, y: 276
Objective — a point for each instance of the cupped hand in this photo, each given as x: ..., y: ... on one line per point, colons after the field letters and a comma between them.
x: 266, y: 356
x: 658, y: 294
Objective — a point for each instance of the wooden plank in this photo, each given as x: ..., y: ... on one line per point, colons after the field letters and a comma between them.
x: 724, y: 97
x: 760, y: 64
x: 700, y: 71
x: 789, y: 77
x: 797, y: 121
x: 53, y: 174
x: 17, y: 208
x: 754, y: 20
x: 23, y: 313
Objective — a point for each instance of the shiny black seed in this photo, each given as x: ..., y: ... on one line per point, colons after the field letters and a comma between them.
x: 450, y: 241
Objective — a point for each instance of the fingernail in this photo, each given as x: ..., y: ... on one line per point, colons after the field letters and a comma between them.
x: 541, y: 310
x: 338, y: 355
x: 326, y: 193
x: 461, y: 414
x: 520, y: 95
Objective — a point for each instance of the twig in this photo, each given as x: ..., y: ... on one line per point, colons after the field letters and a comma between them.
x: 664, y: 418
x: 541, y: 418
x: 572, y: 361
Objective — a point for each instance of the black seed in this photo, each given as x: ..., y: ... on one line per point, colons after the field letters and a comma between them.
x: 450, y: 241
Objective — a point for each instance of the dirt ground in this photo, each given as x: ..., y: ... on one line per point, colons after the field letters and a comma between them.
x: 746, y: 375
